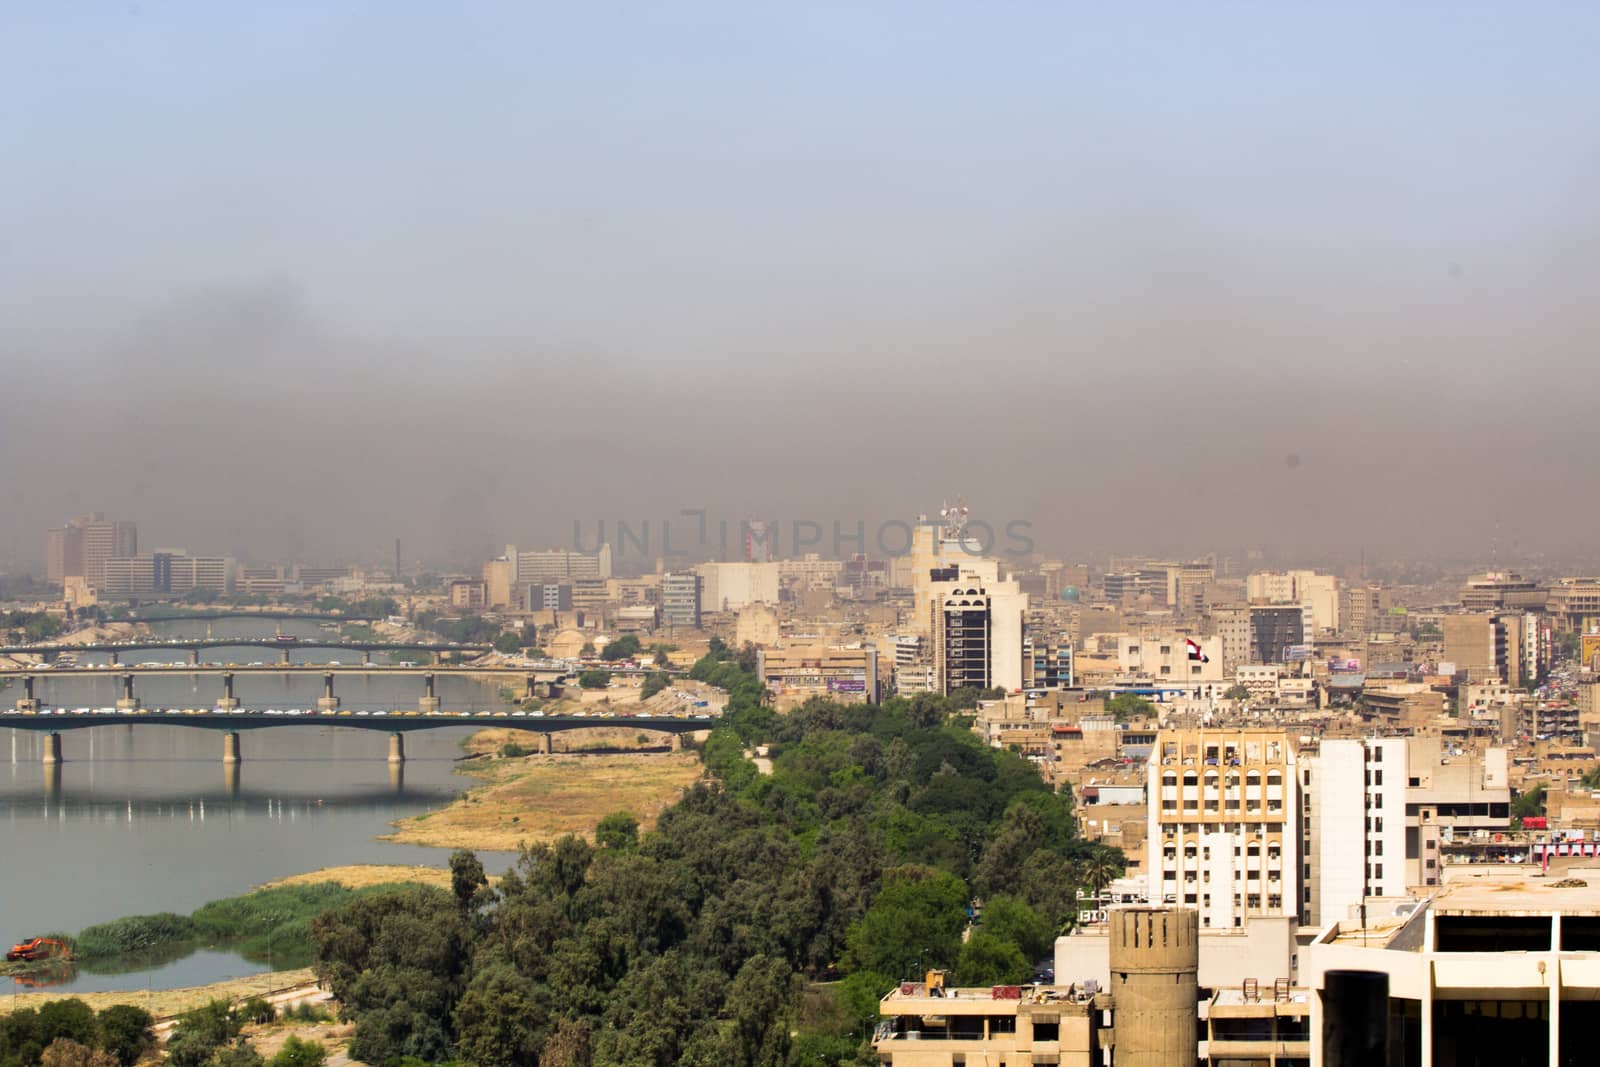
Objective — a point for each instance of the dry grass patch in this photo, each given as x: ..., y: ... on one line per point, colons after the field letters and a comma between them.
x: 541, y: 798
x: 361, y: 876
x: 166, y: 1002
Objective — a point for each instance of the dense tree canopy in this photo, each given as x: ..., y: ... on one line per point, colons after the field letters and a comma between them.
x: 860, y: 856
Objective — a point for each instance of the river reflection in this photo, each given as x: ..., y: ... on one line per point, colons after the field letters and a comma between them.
x: 147, y: 817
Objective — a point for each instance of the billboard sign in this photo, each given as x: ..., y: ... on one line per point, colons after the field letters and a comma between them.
x: 1338, y: 665
x: 847, y: 685
x: 1296, y: 652
x: 1588, y: 645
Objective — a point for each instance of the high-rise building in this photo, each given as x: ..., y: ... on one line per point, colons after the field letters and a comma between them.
x: 1274, y: 630
x: 680, y: 599
x: 731, y: 586
x: 1364, y: 611
x: 1487, y: 647
x: 1319, y: 591
x: 1047, y: 661
x: 1222, y: 824
x: 758, y: 540
x: 961, y: 622
x: 1397, y: 803
x: 556, y: 564
x: 64, y: 553
x: 165, y: 572
x: 82, y: 546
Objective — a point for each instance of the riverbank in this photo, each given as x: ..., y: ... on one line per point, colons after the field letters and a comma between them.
x: 167, y: 1002
x: 529, y: 799
x: 365, y: 876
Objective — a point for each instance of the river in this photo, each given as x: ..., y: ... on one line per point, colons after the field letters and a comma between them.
x: 147, y: 818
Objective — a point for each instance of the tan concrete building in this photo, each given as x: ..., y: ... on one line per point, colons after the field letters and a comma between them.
x: 1486, y: 647
x: 1004, y: 1026
x: 757, y: 625
x: 1402, y: 705
x: 498, y: 581
x: 798, y: 673
x: 82, y: 547
x: 469, y: 594
x: 1222, y: 816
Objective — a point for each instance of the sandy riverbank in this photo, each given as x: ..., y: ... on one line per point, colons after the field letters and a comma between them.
x: 166, y: 1002
x: 530, y: 799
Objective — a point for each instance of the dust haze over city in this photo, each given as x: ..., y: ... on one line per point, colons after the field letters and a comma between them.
x: 297, y: 282
x: 893, y: 533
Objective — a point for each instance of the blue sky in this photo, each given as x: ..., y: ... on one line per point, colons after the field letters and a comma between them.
x: 989, y: 193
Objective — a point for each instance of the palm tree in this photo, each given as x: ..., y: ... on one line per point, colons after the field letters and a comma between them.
x: 1101, y: 867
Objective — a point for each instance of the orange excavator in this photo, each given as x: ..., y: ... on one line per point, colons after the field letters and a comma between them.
x: 40, y: 948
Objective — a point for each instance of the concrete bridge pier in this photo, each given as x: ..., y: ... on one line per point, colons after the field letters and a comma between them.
x: 194, y: 657
x: 230, y: 747
x: 327, y: 701
x: 397, y: 776
x: 127, y: 702
x: 286, y: 655
x: 366, y: 657
x: 114, y: 659
x: 230, y: 779
x: 531, y: 692
x: 546, y: 744
x: 227, y: 702
x: 429, y: 704
x: 52, y: 747
x: 397, y: 748
x: 675, y: 742
x: 52, y: 782
x: 27, y: 703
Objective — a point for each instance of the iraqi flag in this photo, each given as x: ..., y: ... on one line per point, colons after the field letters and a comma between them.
x: 1195, y: 652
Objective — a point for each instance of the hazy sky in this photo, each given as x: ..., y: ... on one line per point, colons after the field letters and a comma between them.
x: 299, y: 278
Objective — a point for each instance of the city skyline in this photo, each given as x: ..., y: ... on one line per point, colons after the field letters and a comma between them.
x: 1229, y: 276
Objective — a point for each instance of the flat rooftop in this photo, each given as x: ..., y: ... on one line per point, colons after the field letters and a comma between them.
x: 1234, y: 998
x: 1377, y: 933
x: 1577, y: 893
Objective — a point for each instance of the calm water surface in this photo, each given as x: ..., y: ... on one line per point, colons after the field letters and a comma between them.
x: 147, y: 818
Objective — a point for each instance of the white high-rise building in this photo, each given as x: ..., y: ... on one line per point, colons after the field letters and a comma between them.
x: 1354, y: 826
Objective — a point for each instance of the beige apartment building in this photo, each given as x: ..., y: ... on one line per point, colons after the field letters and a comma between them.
x: 1222, y: 824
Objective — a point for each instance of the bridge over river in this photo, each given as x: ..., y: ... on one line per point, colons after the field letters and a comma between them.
x: 193, y: 646
x: 229, y: 721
